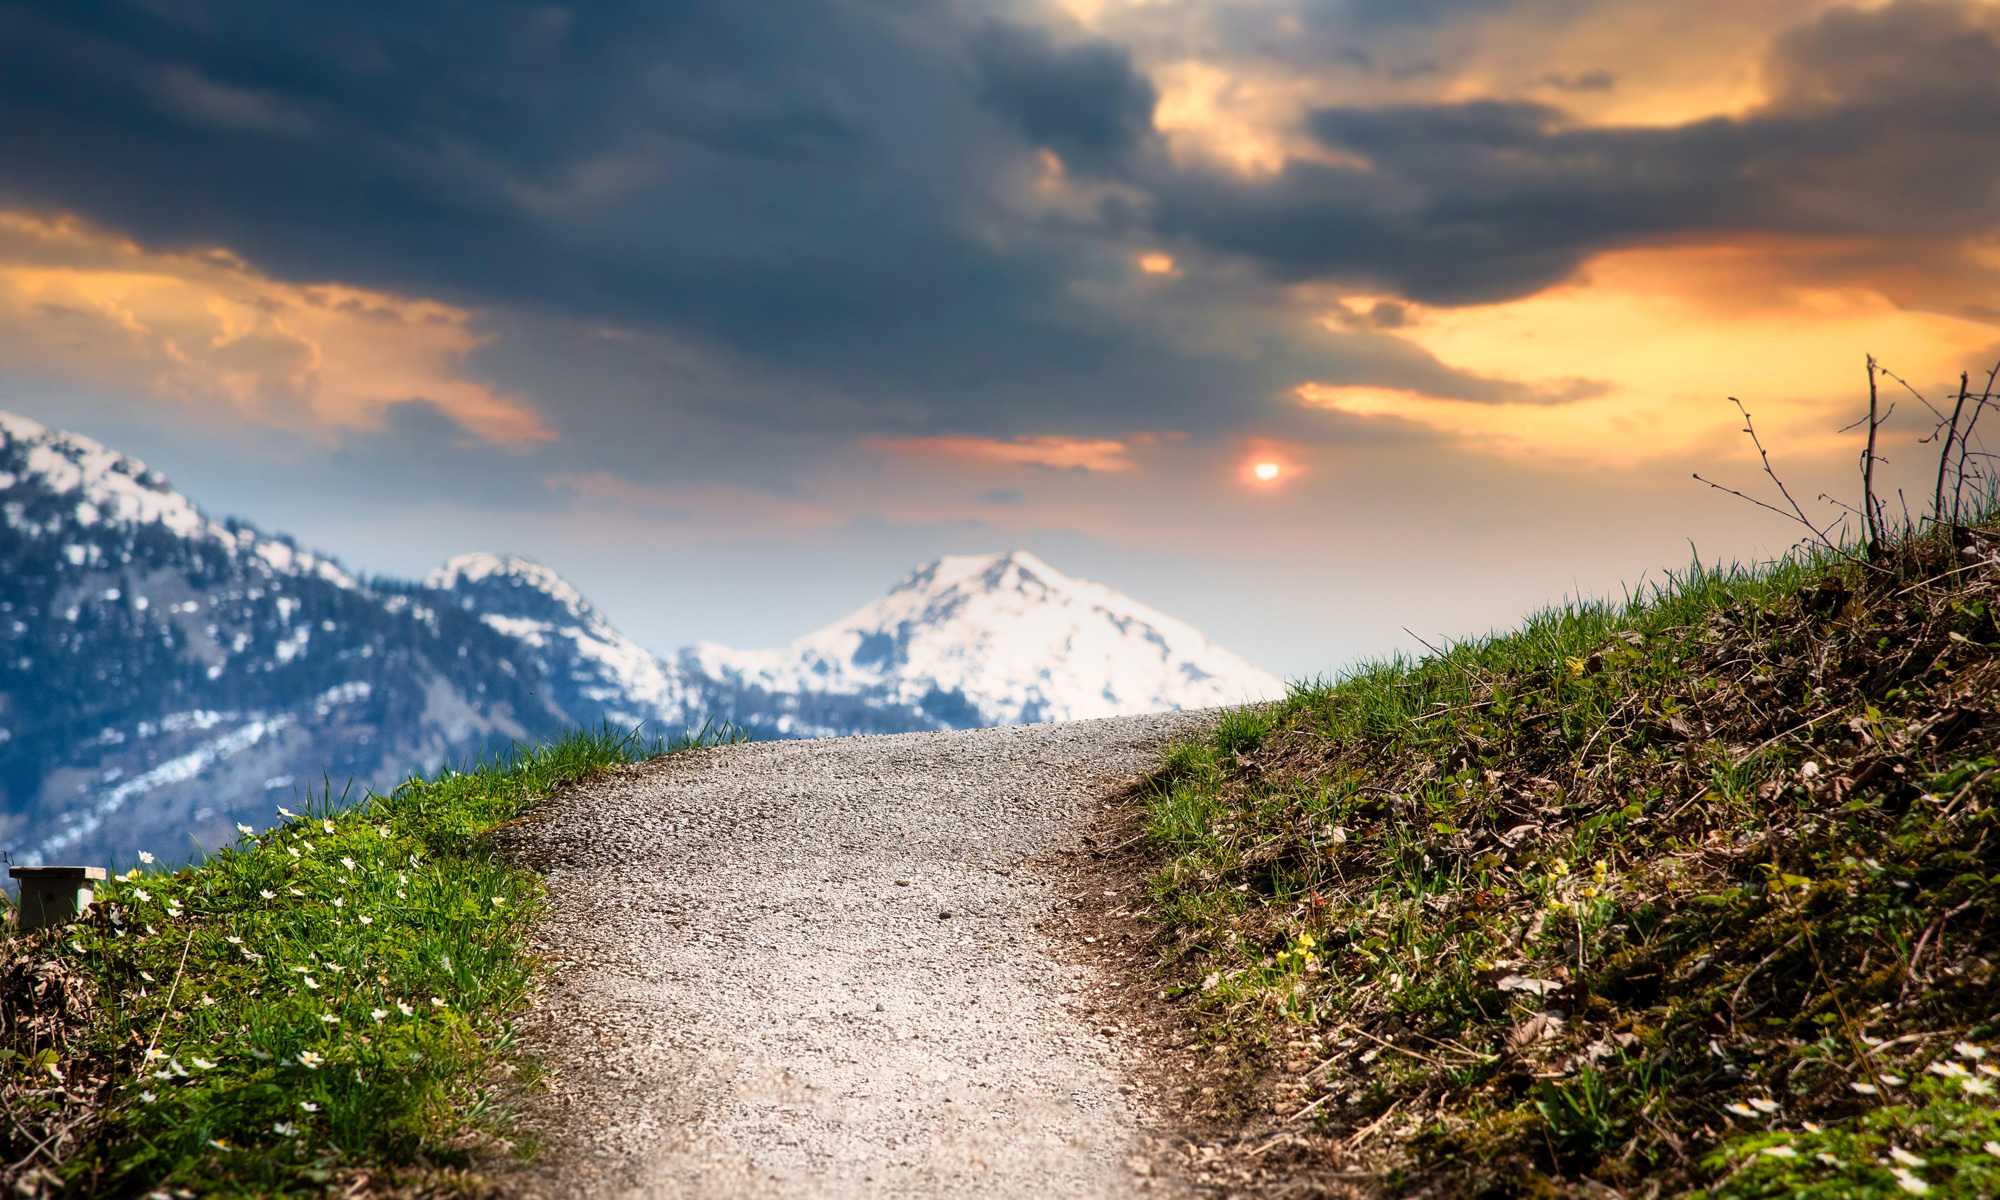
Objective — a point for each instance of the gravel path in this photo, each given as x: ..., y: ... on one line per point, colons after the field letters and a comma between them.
x: 814, y: 969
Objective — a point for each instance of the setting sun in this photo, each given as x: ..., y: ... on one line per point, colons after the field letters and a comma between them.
x: 1265, y: 471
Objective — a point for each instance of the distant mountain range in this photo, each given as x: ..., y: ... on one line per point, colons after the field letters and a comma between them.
x: 164, y: 675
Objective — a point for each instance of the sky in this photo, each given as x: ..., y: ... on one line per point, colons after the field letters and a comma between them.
x: 734, y: 311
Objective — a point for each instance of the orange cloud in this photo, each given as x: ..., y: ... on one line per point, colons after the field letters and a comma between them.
x: 1055, y: 453
x: 205, y: 328
x: 1673, y: 332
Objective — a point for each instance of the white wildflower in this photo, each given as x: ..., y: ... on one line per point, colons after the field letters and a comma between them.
x: 296, y: 892
x: 145, y: 857
x: 407, y: 1010
x: 1906, y: 1158
x: 1866, y: 1089
x: 499, y: 899
x: 147, y: 976
x: 286, y: 812
x: 308, y: 845
x: 365, y: 919
x: 1740, y: 1110
x: 284, y: 1129
x: 246, y: 830
x: 437, y: 1001
x: 218, y: 1143
x: 383, y: 830
x: 1950, y: 1070
x: 233, y: 940
x: 1808, y: 1126
x: 1992, y: 1148
x: 327, y: 825
x: 201, y: 1063
x: 147, y: 1097
x: 1968, y: 1050
x: 329, y: 1018
x: 312, y: 983
x: 1829, y: 1159
x: 1911, y: 1184
x: 1781, y: 1152
x: 340, y: 902
x: 347, y: 862
x: 1975, y: 1087
x: 1762, y: 1105
x: 142, y: 893
x: 292, y: 850
x: 267, y: 894
x: 309, y: 1106
x: 311, y: 1061
x: 1893, y: 1080
x: 378, y: 1014
x: 154, y: 1052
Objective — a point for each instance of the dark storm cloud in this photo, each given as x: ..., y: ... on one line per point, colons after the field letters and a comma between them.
x: 1886, y: 123
x: 806, y: 184
x: 1087, y: 102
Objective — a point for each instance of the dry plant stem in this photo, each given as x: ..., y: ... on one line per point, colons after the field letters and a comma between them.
x: 1965, y: 441
x: 1355, y: 1139
x: 155, y: 1040
x: 1441, y: 657
x: 1950, y: 435
x: 1861, y: 1054
x: 1870, y: 511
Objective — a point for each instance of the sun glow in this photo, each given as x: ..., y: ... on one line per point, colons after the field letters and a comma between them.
x: 1265, y: 471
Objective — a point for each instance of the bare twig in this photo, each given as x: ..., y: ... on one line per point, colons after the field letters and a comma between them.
x: 154, y: 1041
x: 1846, y: 1023
x: 1950, y: 435
x: 1871, y: 513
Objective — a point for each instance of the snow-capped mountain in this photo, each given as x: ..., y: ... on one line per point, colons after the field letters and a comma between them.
x: 586, y: 665
x: 999, y: 639
x: 164, y: 675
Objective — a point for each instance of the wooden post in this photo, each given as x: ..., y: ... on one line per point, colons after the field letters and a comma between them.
x: 53, y: 895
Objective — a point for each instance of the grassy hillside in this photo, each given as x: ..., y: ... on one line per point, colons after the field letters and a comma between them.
x: 1695, y: 892
x: 323, y: 1005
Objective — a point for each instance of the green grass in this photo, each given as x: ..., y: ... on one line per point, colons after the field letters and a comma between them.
x: 1742, y: 828
x: 328, y: 996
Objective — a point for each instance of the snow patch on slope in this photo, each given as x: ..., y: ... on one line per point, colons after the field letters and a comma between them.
x: 531, y: 603
x: 107, y: 489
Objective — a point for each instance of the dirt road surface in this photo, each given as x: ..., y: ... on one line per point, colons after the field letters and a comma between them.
x: 815, y: 969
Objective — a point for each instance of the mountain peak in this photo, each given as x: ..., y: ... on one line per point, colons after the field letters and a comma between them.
x: 94, y: 484
x: 1009, y: 571
x: 491, y: 575
x: 999, y: 639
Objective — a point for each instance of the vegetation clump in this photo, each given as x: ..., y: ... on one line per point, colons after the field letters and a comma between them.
x: 325, y: 1004
x: 1693, y: 892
